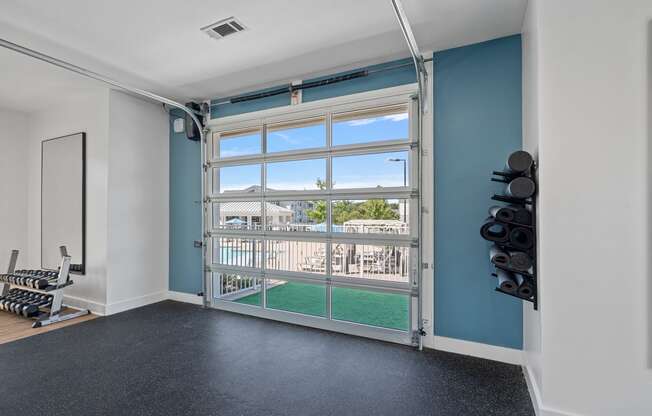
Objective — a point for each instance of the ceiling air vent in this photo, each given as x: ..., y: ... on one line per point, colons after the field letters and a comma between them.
x: 223, y: 28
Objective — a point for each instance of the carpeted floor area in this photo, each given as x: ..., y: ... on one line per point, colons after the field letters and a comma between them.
x: 178, y: 359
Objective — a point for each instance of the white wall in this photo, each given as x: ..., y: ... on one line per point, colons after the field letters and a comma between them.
x: 79, y: 112
x: 127, y: 205
x: 138, y: 202
x: 530, y: 42
x: 13, y: 185
x: 587, y: 70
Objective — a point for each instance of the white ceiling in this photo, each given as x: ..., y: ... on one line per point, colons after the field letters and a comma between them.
x: 157, y: 44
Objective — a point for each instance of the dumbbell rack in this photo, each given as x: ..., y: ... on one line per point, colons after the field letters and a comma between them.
x: 32, y: 284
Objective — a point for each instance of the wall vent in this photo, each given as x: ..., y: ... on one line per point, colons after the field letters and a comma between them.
x: 224, y: 28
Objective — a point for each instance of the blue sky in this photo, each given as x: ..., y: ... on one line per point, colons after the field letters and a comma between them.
x: 360, y: 171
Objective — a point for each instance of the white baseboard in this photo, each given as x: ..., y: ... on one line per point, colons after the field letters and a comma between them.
x: 477, y: 349
x: 535, y: 394
x: 136, y: 302
x: 79, y: 303
x: 184, y: 297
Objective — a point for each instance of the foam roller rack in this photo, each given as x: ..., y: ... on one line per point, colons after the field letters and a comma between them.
x: 37, y: 294
x: 511, y: 229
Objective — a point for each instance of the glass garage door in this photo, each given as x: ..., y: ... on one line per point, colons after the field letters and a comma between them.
x: 313, y: 218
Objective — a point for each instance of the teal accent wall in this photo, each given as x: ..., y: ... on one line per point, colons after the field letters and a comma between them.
x: 185, y: 212
x: 477, y: 116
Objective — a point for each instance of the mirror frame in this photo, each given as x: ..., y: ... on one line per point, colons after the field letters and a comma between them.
x: 80, y: 268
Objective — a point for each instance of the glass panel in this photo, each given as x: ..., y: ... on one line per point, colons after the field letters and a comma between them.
x: 296, y: 175
x: 236, y: 251
x: 366, y: 261
x: 296, y: 135
x: 238, y: 143
x: 306, y: 298
x: 371, y: 126
x: 375, y: 216
x: 371, y: 171
x: 237, y: 288
x: 296, y: 256
x: 387, y: 310
x: 242, y: 178
x: 296, y: 216
x: 237, y: 215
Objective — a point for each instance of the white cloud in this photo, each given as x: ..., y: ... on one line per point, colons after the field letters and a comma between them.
x: 285, y: 137
x: 361, y: 122
x: 396, y: 117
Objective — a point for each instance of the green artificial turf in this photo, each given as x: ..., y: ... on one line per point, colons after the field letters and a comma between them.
x: 387, y: 310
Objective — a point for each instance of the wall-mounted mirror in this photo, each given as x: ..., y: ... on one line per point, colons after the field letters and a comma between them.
x: 63, y: 201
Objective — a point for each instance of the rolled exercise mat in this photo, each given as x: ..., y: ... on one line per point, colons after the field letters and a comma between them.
x: 522, y: 215
x: 525, y: 287
x: 498, y: 257
x: 494, y: 231
x: 520, y: 261
x: 521, y: 238
x: 502, y: 213
x: 520, y: 188
x: 519, y: 161
x: 507, y: 281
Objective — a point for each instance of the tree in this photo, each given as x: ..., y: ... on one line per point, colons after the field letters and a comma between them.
x: 373, y: 209
x: 318, y: 213
x: 377, y: 209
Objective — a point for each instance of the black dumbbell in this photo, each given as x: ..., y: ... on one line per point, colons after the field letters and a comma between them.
x: 17, y: 302
x: 16, y: 296
x: 6, y: 300
x: 29, y: 310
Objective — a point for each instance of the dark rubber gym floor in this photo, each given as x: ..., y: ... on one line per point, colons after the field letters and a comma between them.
x: 178, y: 359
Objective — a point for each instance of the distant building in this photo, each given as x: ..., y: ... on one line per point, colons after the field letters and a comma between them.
x: 249, y: 213
x: 300, y: 210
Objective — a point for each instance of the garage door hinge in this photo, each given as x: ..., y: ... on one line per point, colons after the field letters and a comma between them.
x: 416, y: 334
x: 205, y: 167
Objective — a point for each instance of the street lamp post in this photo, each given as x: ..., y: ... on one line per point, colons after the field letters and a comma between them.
x: 397, y: 159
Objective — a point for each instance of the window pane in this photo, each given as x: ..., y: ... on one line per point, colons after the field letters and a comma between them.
x: 365, y: 261
x: 243, y: 178
x: 387, y: 310
x: 296, y: 256
x: 299, y: 175
x: 296, y: 216
x: 306, y: 298
x: 371, y: 171
x: 237, y: 288
x: 375, y: 216
x: 371, y: 126
x: 239, y: 143
x: 237, y: 215
x: 235, y: 251
x: 305, y: 134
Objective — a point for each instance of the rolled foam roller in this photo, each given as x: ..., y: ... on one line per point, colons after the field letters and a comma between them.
x: 525, y: 288
x: 507, y: 281
x: 521, y: 238
x: 520, y: 188
x: 522, y: 216
x: 498, y: 257
x: 519, y: 162
x: 502, y: 213
x: 494, y: 231
x: 520, y: 261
